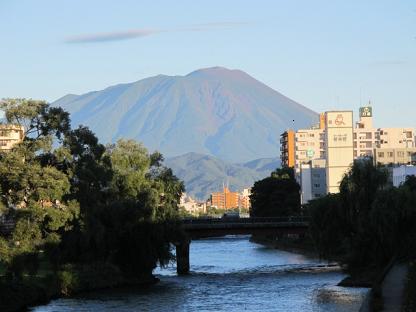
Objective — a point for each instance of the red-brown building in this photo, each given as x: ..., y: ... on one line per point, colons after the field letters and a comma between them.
x: 225, y: 199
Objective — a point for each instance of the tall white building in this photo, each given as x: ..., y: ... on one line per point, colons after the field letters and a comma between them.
x: 337, y: 144
x: 339, y: 147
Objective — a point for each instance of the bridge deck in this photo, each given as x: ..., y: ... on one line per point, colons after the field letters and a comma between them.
x: 209, y: 227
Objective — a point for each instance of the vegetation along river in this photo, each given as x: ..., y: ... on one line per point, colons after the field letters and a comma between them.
x: 230, y: 274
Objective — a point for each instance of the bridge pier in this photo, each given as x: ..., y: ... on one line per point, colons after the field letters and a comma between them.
x: 182, y: 257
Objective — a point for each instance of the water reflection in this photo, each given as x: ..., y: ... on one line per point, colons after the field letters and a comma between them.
x: 231, y: 274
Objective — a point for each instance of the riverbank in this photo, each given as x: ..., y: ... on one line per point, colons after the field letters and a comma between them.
x: 68, y: 282
x: 409, y: 296
x: 304, y: 246
x: 299, y: 245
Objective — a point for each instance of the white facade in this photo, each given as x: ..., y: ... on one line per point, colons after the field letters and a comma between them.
x: 337, y: 142
x: 313, y: 180
x: 399, y: 174
x: 309, y: 145
x: 339, y: 147
x: 367, y: 138
x: 9, y: 136
x: 192, y: 206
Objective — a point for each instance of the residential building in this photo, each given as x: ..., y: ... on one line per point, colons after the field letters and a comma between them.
x: 287, y: 148
x: 394, y: 156
x: 225, y: 199
x: 367, y: 138
x: 335, y: 139
x: 244, y: 199
x: 10, y: 135
x: 309, y: 145
x: 192, y: 206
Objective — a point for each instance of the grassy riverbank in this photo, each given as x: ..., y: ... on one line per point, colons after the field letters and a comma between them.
x: 68, y: 281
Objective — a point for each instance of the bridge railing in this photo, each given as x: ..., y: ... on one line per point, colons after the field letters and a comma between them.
x: 245, y: 220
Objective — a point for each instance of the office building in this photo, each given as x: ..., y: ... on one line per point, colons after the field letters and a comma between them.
x: 339, y: 147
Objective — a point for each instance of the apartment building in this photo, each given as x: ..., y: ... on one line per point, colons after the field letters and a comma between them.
x: 10, y: 135
x: 244, y: 199
x: 336, y: 143
x: 287, y: 148
x: 225, y: 199
x: 394, y: 156
x: 369, y: 141
x: 309, y: 145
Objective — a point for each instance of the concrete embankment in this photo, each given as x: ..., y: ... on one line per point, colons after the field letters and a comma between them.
x: 388, y: 294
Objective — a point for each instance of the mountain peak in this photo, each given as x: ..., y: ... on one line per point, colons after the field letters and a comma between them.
x: 217, y: 111
x: 217, y: 71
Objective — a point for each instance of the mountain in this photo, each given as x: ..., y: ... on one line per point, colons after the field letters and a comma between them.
x: 204, y: 174
x: 216, y: 111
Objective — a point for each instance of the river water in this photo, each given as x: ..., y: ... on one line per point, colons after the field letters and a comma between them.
x: 230, y: 274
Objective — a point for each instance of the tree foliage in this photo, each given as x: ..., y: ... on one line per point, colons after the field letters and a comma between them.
x: 369, y: 222
x: 75, y: 200
x: 276, y: 196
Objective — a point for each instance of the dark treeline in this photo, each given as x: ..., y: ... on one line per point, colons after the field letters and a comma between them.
x: 80, y: 206
x: 365, y: 226
x: 369, y: 223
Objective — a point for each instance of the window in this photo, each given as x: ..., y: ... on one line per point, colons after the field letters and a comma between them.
x: 317, y: 185
x: 368, y: 135
x: 4, y: 133
x: 390, y: 154
x: 400, y: 154
x: 409, y: 134
x: 381, y: 154
x: 3, y: 143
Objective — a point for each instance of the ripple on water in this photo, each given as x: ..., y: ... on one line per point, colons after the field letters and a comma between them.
x: 230, y: 274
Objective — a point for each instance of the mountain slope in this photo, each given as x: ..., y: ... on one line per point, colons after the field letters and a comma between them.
x: 215, y: 111
x: 204, y: 174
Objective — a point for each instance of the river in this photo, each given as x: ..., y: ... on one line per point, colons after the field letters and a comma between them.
x: 230, y: 274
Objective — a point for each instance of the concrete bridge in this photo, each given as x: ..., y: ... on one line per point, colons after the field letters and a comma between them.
x: 212, y: 227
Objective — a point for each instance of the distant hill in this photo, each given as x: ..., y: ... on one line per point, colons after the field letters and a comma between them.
x: 215, y: 111
x: 204, y: 174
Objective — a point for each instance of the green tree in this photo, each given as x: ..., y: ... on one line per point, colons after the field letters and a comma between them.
x: 277, y: 195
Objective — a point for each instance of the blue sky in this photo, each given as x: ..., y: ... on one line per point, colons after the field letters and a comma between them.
x: 323, y: 54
